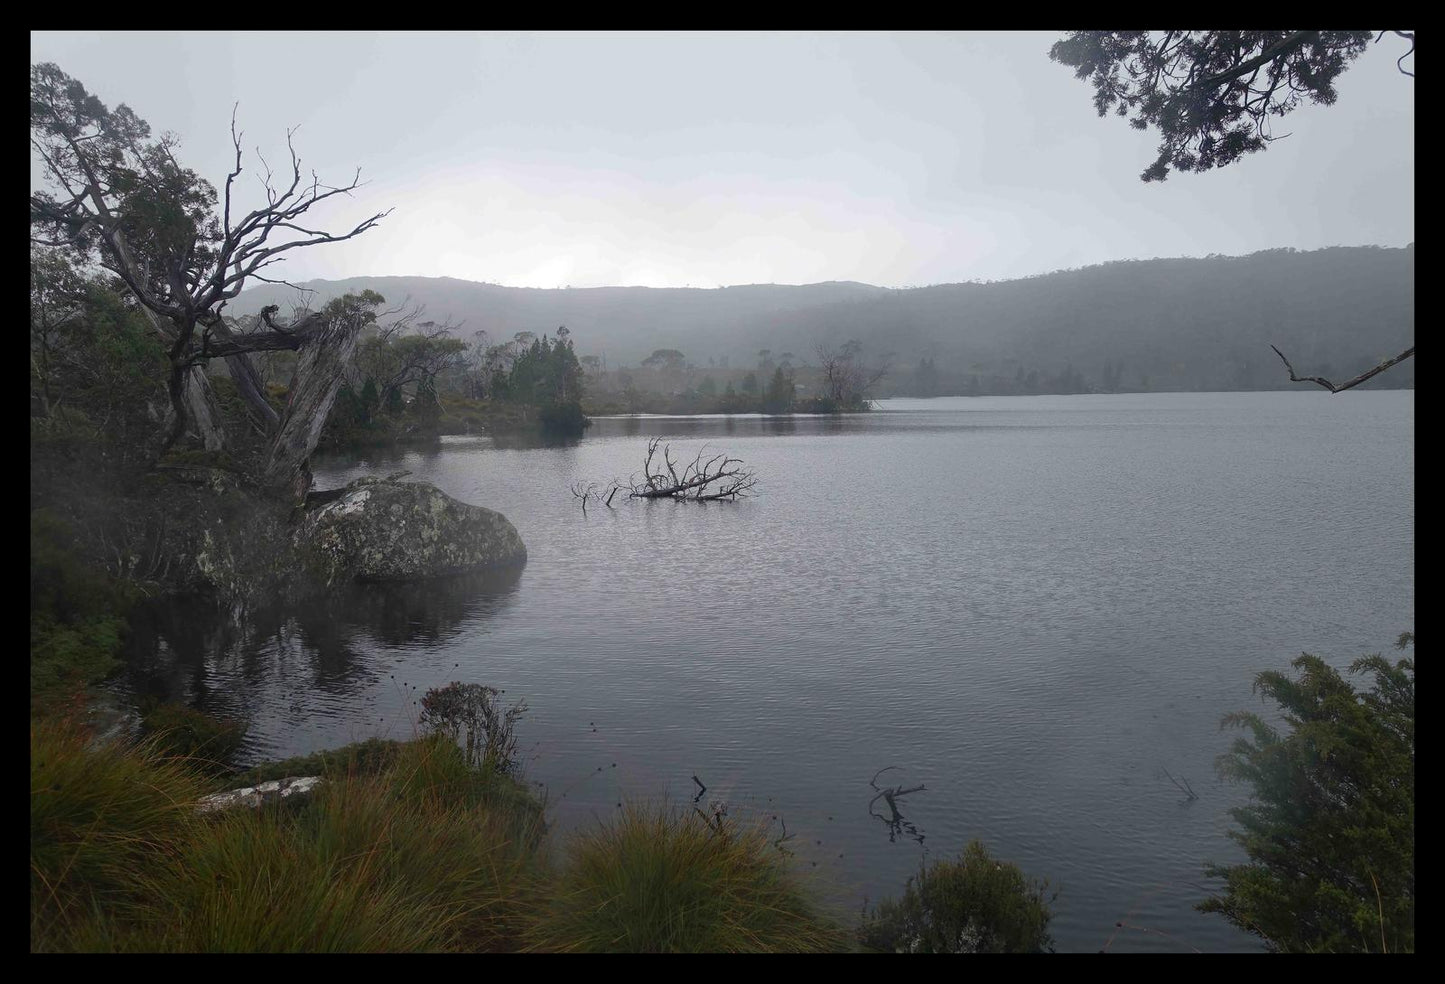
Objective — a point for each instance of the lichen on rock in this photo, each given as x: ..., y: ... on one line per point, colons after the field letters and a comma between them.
x: 272, y: 791
x: 387, y: 530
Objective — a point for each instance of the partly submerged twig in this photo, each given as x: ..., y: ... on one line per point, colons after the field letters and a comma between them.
x: 1186, y: 789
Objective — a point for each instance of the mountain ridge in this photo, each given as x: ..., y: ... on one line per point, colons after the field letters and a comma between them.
x: 1180, y: 322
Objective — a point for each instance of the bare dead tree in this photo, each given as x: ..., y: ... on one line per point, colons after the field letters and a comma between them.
x: 715, y: 479
x: 847, y: 380
x: 122, y: 201
x: 1349, y: 383
x: 407, y: 351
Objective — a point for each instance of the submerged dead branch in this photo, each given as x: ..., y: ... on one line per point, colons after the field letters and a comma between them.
x: 784, y: 838
x: 715, y: 479
x: 1184, y: 787
x: 896, y: 822
x: 591, y: 490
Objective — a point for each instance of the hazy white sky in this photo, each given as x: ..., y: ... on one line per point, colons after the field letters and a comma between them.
x: 707, y: 159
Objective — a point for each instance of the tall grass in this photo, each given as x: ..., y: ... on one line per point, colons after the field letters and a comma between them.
x: 426, y: 855
x: 658, y: 881
x: 98, y: 815
x: 407, y: 847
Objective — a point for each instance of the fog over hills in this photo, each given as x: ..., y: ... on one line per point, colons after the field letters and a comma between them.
x: 1161, y: 324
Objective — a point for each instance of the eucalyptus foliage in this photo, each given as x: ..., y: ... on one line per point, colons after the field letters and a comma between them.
x: 1211, y: 95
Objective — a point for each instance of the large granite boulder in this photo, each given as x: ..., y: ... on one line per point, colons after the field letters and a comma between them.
x: 383, y: 529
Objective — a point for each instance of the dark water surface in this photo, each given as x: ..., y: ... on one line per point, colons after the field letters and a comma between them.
x: 1031, y: 606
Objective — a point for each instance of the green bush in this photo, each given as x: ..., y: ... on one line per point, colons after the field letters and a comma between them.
x: 472, y: 716
x: 77, y: 613
x: 657, y: 882
x: 973, y: 905
x: 183, y: 732
x: 68, y: 657
x: 1330, y: 831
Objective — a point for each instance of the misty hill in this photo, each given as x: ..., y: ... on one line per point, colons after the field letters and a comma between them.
x: 1164, y: 324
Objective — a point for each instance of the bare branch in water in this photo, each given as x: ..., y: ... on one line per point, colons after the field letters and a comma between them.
x: 1185, y: 788
x: 720, y: 477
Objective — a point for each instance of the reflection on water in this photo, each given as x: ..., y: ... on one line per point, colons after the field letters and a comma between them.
x: 191, y: 652
x: 1037, y: 605
x: 530, y: 440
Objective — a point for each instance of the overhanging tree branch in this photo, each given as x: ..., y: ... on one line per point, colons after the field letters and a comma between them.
x: 1211, y: 95
x: 1348, y: 384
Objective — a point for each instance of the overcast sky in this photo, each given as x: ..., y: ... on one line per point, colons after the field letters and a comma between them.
x: 708, y: 159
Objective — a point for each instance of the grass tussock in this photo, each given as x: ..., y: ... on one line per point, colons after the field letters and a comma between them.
x: 407, y: 847
x: 98, y: 815
x: 427, y: 855
x: 655, y: 881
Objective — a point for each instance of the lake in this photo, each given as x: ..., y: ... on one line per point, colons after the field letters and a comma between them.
x: 1031, y: 606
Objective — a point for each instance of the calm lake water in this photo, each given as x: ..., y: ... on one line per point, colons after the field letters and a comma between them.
x: 1031, y: 606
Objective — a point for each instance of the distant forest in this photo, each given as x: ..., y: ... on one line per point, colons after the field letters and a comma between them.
x: 1129, y: 326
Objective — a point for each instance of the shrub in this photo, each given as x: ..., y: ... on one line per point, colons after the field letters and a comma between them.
x: 77, y: 614
x: 656, y: 882
x: 973, y: 905
x: 471, y: 715
x: 1331, y: 830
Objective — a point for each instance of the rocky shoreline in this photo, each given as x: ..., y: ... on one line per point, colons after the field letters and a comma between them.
x: 214, y: 535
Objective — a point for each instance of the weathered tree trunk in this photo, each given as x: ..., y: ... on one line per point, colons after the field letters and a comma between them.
x: 248, y: 383
x: 203, y: 416
x: 197, y: 402
x: 321, y: 366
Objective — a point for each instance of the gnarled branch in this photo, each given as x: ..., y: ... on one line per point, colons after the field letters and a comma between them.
x: 716, y: 479
x: 1348, y: 384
